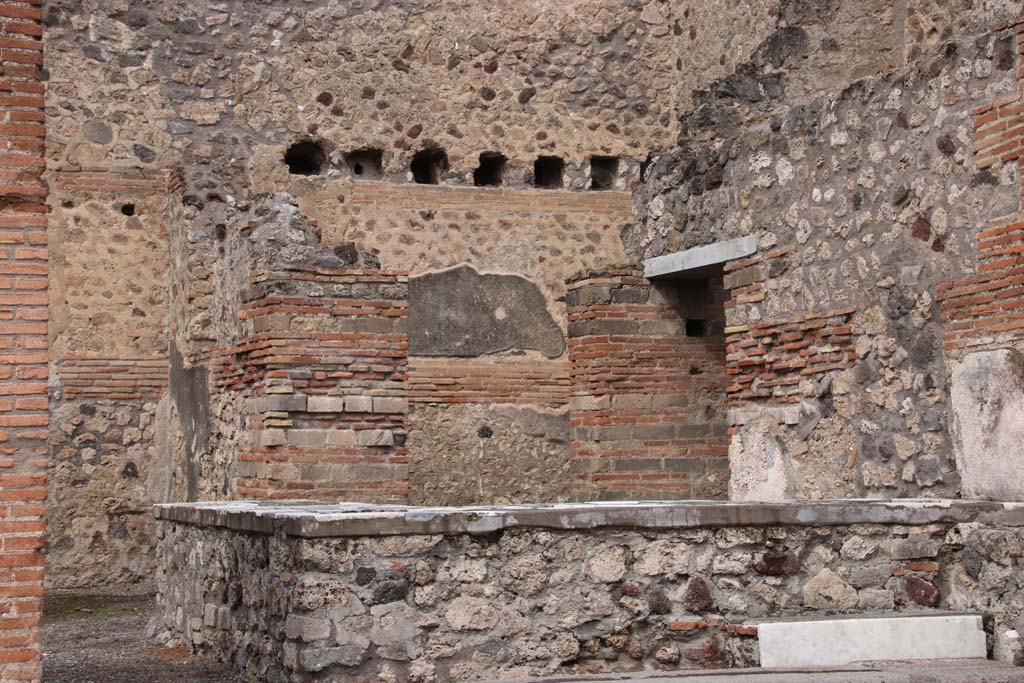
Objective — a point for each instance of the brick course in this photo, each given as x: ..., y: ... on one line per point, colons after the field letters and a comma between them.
x: 23, y: 370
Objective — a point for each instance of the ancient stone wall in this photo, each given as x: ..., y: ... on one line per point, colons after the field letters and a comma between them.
x: 864, y: 201
x: 489, y: 152
x: 23, y: 332
x: 416, y: 595
x: 109, y: 369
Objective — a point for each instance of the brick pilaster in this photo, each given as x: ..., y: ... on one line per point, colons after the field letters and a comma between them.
x: 986, y: 309
x: 648, y: 383
x: 23, y: 329
x: 323, y: 361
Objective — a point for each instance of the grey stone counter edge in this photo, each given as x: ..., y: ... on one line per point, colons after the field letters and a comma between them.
x: 313, y: 519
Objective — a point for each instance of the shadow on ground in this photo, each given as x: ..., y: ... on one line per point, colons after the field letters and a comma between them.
x: 101, y: 639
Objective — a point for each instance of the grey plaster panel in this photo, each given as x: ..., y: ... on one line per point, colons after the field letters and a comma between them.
x: 312, y: 519
x: 460, y: 312
x: 700, y: 257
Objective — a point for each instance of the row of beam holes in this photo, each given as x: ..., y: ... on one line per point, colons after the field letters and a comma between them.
x: 429, y: 166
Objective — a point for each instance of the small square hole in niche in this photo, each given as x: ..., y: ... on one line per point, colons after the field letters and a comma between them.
x: 603, y: 172
x: 366, y: 164
x: 548, y: 171
x: 491, y: 171
x: 428, y: 166
x: 696, y: 328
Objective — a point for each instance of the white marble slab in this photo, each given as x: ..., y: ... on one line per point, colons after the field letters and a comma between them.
x: 700, y: 257
x: 842, y: 641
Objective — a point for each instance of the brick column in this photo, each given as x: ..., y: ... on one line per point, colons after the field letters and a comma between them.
x: 23, y: 315
x: 323, y: 362
x: 648, y: 381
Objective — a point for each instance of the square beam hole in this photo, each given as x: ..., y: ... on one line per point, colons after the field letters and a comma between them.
x: 548, y: 171
x: 305, y: 157
x: 603, y: 172
x: 367, y: 164
x: 696, y: 328
x: 491, y: 171
x: 429, y: 166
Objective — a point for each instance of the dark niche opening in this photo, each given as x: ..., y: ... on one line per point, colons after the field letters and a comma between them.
x: 548, y: 171
x: 491, y: 171
x: 603, y: 171
x: 367, y: 164
x: 429, y: 165
x: 128, y: 209
x: 306, y: 157
x: 696, y: 327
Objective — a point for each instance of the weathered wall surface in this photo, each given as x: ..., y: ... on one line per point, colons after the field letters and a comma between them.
x: 515, y: 602
x: 108, y: 355
x: 864, y: 202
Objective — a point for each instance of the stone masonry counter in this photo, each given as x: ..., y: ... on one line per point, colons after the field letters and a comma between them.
x: 300, y: 591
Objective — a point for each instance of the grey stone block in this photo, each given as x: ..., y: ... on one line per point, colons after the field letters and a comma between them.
x: 376, y: 437
x: 390, y: 404
x: 307, y: 629
x: 358, y: 404
x: 326, y: 404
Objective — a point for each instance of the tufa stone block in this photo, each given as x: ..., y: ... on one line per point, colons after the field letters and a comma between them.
x: 326, y: 404
x: 341, y: 437
x: 376, y: 437
x: 307, y: 437
x: 271, y: 437
x: 390, y: 404
x: 358, y: 404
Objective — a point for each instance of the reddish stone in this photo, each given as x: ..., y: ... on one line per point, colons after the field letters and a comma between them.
x: 921, y: 229
x: 706, y: 653
x: 777, y: 564
x: 946, y: 144
x: 921, y: 592
x: 698, y: 597
x: 683, y: 625
x: 922, y: 566
x: 742, y: 629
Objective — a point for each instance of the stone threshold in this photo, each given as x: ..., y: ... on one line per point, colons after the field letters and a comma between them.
x: 315, y: 519
x: 926, y: 671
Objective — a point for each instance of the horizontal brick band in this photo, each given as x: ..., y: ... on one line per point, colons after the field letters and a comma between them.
x: 489, y: 380
x: 84, y: 377
x: 766, y: 360
x: 504, y: 200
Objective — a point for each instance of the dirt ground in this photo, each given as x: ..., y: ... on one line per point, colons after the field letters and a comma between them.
x: 101, y: 639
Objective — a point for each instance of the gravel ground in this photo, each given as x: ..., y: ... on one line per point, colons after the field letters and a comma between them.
x: 100, y: 639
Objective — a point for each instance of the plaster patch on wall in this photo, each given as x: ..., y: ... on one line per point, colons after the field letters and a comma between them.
x: 460, y: 312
